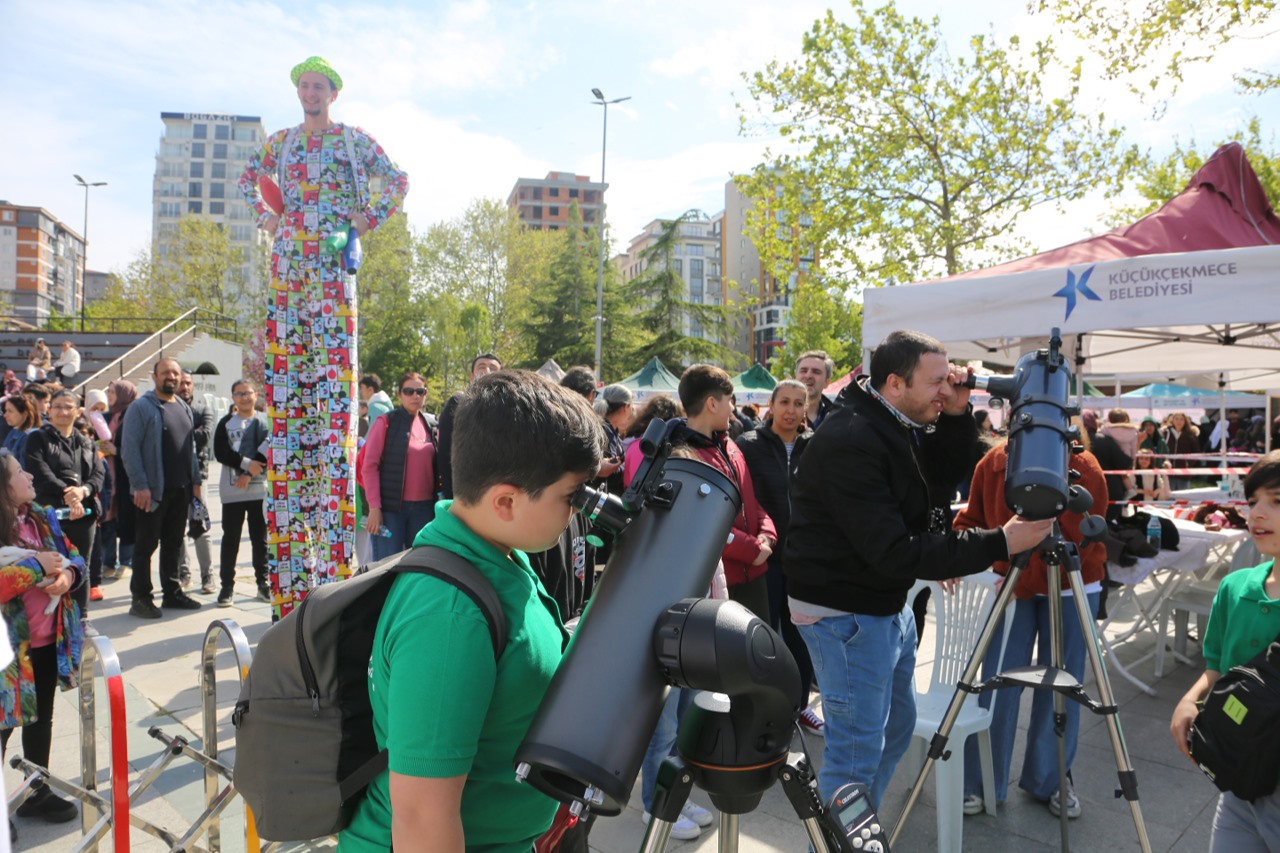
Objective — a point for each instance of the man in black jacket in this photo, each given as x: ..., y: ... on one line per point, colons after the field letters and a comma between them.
x: 863, y: 529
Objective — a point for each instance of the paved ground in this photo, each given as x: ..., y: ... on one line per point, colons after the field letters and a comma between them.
x: 161, y: 660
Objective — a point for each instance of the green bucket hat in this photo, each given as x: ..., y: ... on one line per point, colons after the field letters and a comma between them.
x: 318, y: 64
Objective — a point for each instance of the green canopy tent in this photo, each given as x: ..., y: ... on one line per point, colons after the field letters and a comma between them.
x: 754, y: 386
x: 653, y: 378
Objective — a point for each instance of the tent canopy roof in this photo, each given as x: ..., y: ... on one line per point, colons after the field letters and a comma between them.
x: 1192, y: 288
x: 654, y: 377
x: 758, y: 378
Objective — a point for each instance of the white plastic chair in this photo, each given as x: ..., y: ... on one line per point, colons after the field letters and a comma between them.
x: 1196, y: 598
x: 958, y: 623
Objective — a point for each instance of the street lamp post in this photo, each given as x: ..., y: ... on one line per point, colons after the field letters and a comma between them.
x: 604, y: 142
x: 84, y: 235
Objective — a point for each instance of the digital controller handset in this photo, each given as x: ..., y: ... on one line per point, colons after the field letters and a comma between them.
x: 853, y: 813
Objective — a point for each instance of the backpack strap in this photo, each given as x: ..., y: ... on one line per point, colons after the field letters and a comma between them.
x: 459, y: 572
x: 470, y: 581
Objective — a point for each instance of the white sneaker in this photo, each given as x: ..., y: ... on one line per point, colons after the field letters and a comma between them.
x: 697, y: 814
x: 974, y: 804
x: 682, y: 830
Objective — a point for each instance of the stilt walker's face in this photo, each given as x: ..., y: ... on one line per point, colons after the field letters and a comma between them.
x: 315, y: 93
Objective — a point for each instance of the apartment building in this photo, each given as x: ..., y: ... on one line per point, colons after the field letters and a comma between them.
x: 41, y: 264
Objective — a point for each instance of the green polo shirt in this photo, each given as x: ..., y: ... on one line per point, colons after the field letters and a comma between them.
x: 443, y: 708
x: 1243, y: 621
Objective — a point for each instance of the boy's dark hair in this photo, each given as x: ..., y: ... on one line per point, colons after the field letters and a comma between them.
x: 1265, y: 474
x: 898, y: 355
x: 246, y: 381
x: 579, y: 379
x: 520, y: 428
x: 36, y: 390
x: 701, y: 381
x: 372, y: 380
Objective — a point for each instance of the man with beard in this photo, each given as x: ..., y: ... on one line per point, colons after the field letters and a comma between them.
x: 863, y: 529
x: 322, y: 168
x: 203, y: 435
x: 159, y: 455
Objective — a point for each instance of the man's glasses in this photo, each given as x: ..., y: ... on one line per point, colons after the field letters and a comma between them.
x: 242, y: 393
x: 413, y: 392
x: 62, y: 408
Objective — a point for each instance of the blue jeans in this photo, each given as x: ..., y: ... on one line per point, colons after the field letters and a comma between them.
x: 404, y: 526
x: 662, y: 742
x: 865, y: 666
x: 1030, y: 629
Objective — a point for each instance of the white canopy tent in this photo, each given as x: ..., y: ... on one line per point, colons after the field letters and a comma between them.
x: 1165, y: 316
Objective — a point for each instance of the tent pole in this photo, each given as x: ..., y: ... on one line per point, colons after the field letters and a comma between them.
x: 1222, y: 416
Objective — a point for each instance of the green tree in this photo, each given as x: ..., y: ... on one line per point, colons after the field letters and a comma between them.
x: 1165, y: 37
x: 904, y: 162
x: 822, y: 318
x: 658, y: 296
x: 1157, y: 181
x: 560, y: 316
x: 391, y: 342
x: 206, y: 269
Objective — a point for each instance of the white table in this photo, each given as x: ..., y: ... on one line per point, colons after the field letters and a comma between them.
x: 1200, y: 554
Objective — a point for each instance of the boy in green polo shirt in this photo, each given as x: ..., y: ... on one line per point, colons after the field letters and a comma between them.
x: 450, y: 716
x: 1245, y: 619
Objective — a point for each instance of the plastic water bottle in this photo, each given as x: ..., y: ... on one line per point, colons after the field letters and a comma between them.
x: 1153, y: 532
x: 64, y: 514
x: 384, y: 532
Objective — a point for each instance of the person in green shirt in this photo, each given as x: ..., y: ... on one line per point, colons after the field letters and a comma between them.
x: 450, y: 716
x: 1244, y: 620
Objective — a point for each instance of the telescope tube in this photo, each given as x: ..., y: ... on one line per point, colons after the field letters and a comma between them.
x: 603, y: 703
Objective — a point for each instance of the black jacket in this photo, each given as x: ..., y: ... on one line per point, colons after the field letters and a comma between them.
x: 766, y: 457
x: 56, y: 462
x: 863, y: 528
x: 444, y: 446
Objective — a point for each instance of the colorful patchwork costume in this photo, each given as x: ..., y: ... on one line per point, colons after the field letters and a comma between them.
x: 311, y: 356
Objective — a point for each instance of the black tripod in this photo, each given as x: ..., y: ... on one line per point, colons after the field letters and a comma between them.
x: 1058, y: 552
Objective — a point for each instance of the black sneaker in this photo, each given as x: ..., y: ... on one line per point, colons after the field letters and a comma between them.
x: 181, y: 601
x: 144, y: 609
x: 224, y: 597
x: 48, y: 806
x: 264, y: 593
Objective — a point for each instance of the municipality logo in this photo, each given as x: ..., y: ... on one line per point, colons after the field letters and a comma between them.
x: 1074, y: 286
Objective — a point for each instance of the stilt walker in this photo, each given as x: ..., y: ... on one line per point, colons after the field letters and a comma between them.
x: 322, y: 169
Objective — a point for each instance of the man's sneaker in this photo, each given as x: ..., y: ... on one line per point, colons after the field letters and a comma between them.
x: 224, y: 598
x: 181, y: 601
x: 811, y: 722
x: 973, y: 804
x: 96, y: 593
x: 184, y: 582
x: 144, y: 609
x: 208, y: 588
x: 264, y: 593
x: 697, y: 814
x: 682, y: 830
x: 1073, y: 803
x: 48, y: 806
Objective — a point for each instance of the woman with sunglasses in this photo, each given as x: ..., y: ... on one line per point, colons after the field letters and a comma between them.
x: 38, y: 570
x: 399, y: 471
x: 64, y: 464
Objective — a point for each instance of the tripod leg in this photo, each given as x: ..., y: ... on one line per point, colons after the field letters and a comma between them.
x: 1124, y: 767
x: 1058, y: 661
x: 729, y: 832
x: 937, y: 746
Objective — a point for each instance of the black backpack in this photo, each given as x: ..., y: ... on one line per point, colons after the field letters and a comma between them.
x: 305, y: 747
x: 1233, y: 738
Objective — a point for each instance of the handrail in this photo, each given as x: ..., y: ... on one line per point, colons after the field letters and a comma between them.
x: 98, y: 650
x: 139, y: 345
x: 209, y: 698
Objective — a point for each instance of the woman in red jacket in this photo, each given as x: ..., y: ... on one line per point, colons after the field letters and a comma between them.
x: 1030, y: 629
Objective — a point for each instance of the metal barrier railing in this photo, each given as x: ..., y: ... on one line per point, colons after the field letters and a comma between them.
x: 98, y: 653
x: 216, y: 797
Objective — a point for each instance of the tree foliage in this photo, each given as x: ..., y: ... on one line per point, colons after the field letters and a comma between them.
x: 1163, y: 38
x: 390, y: 340
x: 903, y: 162
x: 822, y: 318
x: 1157, y: 181
x: 659, y: 297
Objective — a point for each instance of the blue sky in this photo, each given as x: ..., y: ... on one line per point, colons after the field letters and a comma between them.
x: 468, y: 96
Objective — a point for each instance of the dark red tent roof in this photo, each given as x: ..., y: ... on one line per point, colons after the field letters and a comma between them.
x: 1223, y: 207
